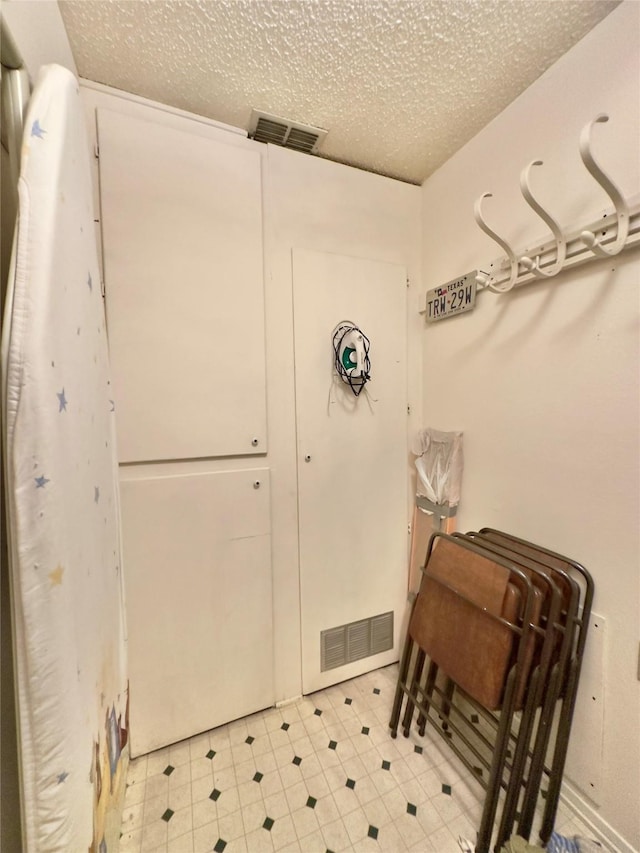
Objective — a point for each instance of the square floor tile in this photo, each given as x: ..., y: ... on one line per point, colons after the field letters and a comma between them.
x: 228, y: 803
x: 181, y: 822
x: 155, y: 835
x: 283, y: 833
x: 249, y: 793
x: 410, y: 830
x: 313, y: 843
x: 305, y: 822
x: 376, y: 813
x: 205, y: 836
x: 366, y: 791
x: 297, y: 796
x: 310, y: 767
x: 276, y: 806
x: 132, y: 817
x: 335, y: 836
x: 318, y: 786
x: 290, y: 775
x: 356, y: 824
x: 203, y: 812
x: 135, y: 793
x: 254, y: 816
x: 179, y: 798
x: 130, y: 842
x: 156, y: 786
x: 157, y: 761
x: 326, y: 810
x: 259, y: 841
x: 231, y: 826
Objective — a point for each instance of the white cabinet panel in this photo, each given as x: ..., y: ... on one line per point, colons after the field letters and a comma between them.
x: 183, y: 262
x: 197, y: 557
x: 353, y: 489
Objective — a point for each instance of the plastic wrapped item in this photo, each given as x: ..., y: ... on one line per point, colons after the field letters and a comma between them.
x: 439, y: 480
x: 439, y: 465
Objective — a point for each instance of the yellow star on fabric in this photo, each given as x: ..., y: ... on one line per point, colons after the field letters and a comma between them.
x: 56, y: 576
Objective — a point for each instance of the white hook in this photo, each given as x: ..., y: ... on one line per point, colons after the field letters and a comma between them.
x: 561, y: 246
x: 482, y: 278
x: 511, y: 255
x: 621, y: 208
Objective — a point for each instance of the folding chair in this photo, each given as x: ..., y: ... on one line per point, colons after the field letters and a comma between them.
x: 551, y: 613
x: 578, y: 612
x: 556, y: 590
x: 474, y: 619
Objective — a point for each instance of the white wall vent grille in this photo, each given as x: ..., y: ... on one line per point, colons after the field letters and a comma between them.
x: 347, y: 643
x: 334, y: 648
x: 289, y: 134
x: 381, y: 633
x: 358, y: 640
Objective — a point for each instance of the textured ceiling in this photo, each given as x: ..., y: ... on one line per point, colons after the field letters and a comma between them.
x: 399, y: 84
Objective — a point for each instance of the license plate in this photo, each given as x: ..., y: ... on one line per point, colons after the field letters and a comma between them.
x: 454, y: 297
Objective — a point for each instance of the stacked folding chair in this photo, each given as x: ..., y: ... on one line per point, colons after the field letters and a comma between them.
x: 492, y: 661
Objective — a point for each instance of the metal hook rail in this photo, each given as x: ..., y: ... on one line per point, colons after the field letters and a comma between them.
x: 617, y: 229
x: 606, y: 237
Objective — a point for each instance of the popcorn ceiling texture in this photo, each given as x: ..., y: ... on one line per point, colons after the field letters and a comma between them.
x: 400, y: 84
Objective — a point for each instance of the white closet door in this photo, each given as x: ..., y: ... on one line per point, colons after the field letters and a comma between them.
x: 353, y: 489
x: 183, y: 264
x: 197, y: 551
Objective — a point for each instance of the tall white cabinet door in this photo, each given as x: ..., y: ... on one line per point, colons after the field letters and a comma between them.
x: 197, y: 550
x: 352, y: 459
x: 183, y: 264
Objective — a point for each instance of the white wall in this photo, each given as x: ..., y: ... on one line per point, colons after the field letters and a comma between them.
x: 313, y: 204
x: 38, y: 31
x: 544, y: 380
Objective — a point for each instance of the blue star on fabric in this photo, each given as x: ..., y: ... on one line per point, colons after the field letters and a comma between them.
x: 96, y: 493
x: 41, y: 482
x: 62, y: 777
x: 62, y: 400
x: 36, y: 130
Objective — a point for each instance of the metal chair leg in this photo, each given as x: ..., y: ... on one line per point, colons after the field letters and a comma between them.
x: 402, y: 678
x: 417, y: 673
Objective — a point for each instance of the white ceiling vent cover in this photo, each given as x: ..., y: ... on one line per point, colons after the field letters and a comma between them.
x: 289, y: 134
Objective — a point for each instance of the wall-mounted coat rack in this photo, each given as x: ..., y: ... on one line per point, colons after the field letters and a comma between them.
x: 614, y: 231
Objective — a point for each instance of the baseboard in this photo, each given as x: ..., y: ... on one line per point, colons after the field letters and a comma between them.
x: 602, y: 831
x: 284, y: 702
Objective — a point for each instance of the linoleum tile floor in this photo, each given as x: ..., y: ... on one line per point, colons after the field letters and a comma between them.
x: 319, y: 774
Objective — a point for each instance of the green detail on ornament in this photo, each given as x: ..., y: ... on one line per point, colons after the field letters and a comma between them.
x: 346, y: 358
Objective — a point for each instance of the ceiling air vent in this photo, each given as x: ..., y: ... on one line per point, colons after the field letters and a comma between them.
x: 289, y: 134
